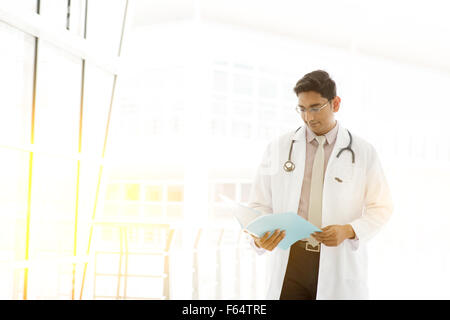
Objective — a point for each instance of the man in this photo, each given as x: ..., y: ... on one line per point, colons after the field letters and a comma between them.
x: 336, y: 183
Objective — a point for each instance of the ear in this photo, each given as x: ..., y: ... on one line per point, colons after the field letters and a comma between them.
x: 336, y: 102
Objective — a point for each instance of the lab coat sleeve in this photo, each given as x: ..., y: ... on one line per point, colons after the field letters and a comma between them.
x: 378, y: 205
x: 261, y: 193
x: 259, y: 251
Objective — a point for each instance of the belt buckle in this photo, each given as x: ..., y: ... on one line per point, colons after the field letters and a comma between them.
x: 312, y: 248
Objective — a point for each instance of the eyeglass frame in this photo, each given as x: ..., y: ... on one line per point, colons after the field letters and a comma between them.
x: 312, y: 110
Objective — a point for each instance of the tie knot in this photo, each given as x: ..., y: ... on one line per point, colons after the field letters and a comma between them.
x: 321, y: 140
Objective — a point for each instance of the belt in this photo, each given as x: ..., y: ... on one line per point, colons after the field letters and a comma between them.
x: 307, y: 246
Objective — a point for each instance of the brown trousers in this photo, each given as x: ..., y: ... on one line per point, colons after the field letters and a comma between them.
x: 300, y: 281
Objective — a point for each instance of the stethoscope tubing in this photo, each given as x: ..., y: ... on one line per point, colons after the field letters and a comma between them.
x: 290, y: 166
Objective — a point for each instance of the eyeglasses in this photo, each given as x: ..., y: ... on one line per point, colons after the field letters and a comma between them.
x: 311, y: 110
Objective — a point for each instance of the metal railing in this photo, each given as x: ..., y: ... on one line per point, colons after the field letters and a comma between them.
x: 211, y: 262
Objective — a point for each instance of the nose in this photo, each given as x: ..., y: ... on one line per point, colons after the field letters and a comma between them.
x: 308, y: 116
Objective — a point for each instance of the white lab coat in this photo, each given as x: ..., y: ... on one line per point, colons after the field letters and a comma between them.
x: 362, y: 199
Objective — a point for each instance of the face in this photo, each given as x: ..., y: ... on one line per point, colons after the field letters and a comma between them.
x: 322, y: 121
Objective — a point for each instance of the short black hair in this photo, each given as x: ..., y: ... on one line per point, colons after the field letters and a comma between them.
x: 318, y: 81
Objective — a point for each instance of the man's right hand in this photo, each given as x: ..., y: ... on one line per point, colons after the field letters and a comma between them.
x: 269, y: 243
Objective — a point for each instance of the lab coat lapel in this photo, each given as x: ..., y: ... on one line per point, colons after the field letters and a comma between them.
x: 342, y: 141
x: 295, y: 177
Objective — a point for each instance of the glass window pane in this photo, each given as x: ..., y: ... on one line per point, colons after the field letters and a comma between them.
x: 16, y: 81
x: 243, y: 109
x: 104, y: 30
x: 241, y: 129
x: 268, y: 113
x: 111, y: 210
x: 152, y: 211
x: 50, y: 281
x: 218, y: 127
x: 13, y: 203
x: 76, y: 17
x: 132, y: 191
x: 106, y: 286
x: 175, y: 193
x: 153, y: 193
x: 267, y: 132
x: 130, y: 210
x: 243, y: 84
x: 138, y: 287
x: 220, y: 81
x: 107, y: 262
x: 20, y: 6
x: 267, y: 88
x: 109, y: 234
x: 113, y: 191
x: 54, y: 12
x: 145, y: 264
x: 53, y: 201
x: 174, y: 211
x: 97, y: 98
x: 219, y: 106
x: 58, y: 99
x: 52, y: 220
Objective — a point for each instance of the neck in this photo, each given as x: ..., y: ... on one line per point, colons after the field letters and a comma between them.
x: 325, y: 131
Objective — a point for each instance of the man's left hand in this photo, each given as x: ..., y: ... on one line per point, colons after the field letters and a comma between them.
x: 333, y: 235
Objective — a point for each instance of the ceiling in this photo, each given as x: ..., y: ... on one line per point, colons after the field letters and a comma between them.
x: 410, y: 31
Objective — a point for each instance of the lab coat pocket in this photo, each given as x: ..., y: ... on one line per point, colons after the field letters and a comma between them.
x: 342, y: 174
x: 345, y: 183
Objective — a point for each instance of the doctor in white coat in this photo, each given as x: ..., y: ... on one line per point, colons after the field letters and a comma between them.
x: 355, y: 201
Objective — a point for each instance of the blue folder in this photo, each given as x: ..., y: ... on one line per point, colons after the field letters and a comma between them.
x: 296, y: 227
x: 258, y: 223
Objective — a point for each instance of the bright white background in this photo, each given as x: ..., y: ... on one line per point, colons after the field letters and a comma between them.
x: 227, y: 69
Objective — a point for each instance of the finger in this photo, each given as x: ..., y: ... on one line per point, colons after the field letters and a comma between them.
x: 325, y: 232
x: 252, y: 235
x: 265, y: 236
x: 272, y: 237
x: 280, y: 237
x: 255, y: 237
x: 317, y: 237
x: 317, y: 234
x: 260, y: 240
x: 330, y: 243
x: 326, y: 238
x: 320, y: 235
x: 269, y: 242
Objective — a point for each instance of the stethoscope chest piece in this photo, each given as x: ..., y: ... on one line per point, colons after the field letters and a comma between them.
x: 289, y: 166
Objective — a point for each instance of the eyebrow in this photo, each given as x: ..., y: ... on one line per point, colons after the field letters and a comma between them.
x: 311, y: 106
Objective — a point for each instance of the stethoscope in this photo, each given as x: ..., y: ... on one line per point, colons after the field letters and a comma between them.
x: 290, y: 166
